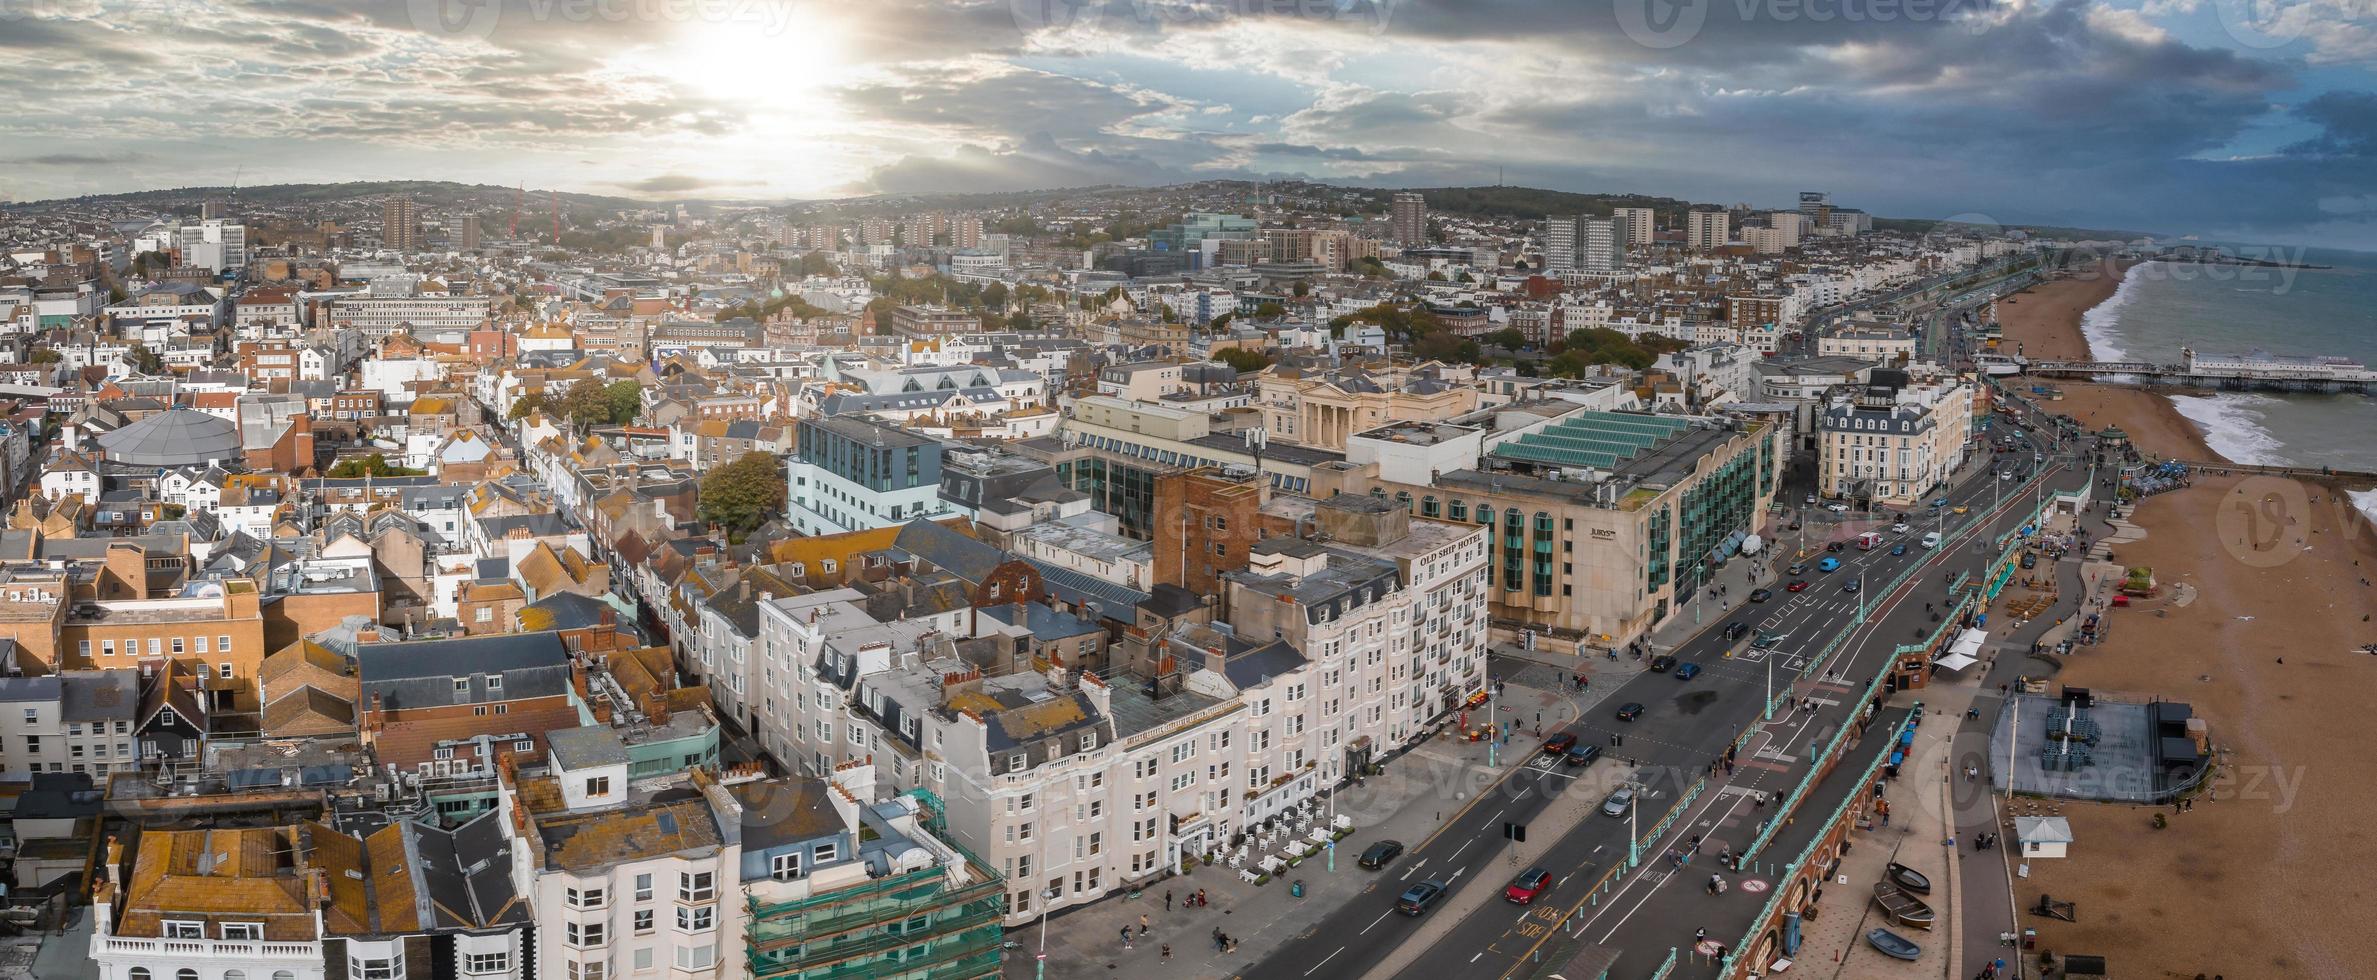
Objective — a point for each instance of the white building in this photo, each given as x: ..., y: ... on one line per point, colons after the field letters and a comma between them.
x: 1892, y: 442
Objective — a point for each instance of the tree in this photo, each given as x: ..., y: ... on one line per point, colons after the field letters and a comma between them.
x: 626, y: 399
x: 1301, y: 289
x: 1507, y: 338
x: 1269, y: 309
x: 375, y: 464
x: 1019, y: 321
x: 1242, y: 360
x: 1217, y: 324
x: 741, y: 495
x: 816, y: 264
x: 1447, y: 346
x: 44, y: 355
x: 586, y: 404
x: 995, y: 296
x: 532, y: 402
x: 143, y: 359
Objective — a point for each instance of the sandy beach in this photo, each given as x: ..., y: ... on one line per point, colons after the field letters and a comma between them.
x: 2259, y: 880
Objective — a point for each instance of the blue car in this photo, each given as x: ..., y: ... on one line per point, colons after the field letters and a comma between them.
x: 1828, y: 565
x: 1686, y: 671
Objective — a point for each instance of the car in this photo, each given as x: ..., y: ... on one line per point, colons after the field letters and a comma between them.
x: 1761, y: 595
x: 1797, y: 568
x: 1768, y: 638
x: 2030, y: 560
x: 1529, y: 884
x: 1660, y: 664
x: 1581, y: 754
x: 1931, y: 540
x: 1834, y: 546
x: 1734, y: 630
x: 1797, y: 585
x: 1686, y: 671
x: 1960, y: 509
x: 1899, y: 528
x: 1811, y: 498
x: 1898, y: 549
x: 1559, y: 743
x: 1416, y: 899
x: 1829, y: 565
x: 2008, y: 475
x: 1380, y: 854
x: 1618, y: 802
x: 1794, y: 526
x: 1939, y: 502
x: 1837, y: 508
x: 1851, y: 586
x: 1630, y: 711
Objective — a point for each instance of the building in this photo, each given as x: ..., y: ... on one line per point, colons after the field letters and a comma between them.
x: 1600, y: 244
x: 1609, y: 520
x: 214, y: 244
x: 1559, y: 244
x: 1707, y: 228
x: 1880, y: 342
x: 244, y: 901
x: 856, y: 472
x: 400, y: 224
x: 1641, y: 225
x: 470, y: 232
x: 376, y: 316
x: 1892, y: 443
x: 1407, y: 218
x: 1323, y: 411
x: 932, y: 321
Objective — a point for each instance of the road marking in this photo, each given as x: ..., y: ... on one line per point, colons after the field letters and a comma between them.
x: 1464, y: 846
x: 1480, y: 953
x: 1564, y: 878
x: 1497, y: 816
x: 1324, y: 961
x: 1382, y: 917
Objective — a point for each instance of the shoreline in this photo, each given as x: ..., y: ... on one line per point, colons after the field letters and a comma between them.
x: 2278, y: 571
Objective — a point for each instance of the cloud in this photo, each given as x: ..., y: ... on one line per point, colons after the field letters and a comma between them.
x: 668, y: 184
x: 78, y: 159
x: 1039, y: 162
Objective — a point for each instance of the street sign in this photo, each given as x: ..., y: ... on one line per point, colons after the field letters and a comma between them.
x: 1515, y: 831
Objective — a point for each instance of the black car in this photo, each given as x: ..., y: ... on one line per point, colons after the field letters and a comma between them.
x: 1761, y: 595
x: 1659, y: 665
x: 1734, y: 630
x: 1417, y: 898
x: 1581, y: 754
x: 1630, y: 711
x: 1381, y: 854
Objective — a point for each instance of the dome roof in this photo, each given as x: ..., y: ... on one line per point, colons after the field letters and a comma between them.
x: 179, y: 437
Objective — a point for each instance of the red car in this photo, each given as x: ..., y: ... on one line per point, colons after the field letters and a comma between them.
x: 1559, y: 743
x: 1797, y: 585
x: 1528, y: 885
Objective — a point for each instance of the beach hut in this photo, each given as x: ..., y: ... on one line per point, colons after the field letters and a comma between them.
x: 2043, y: 837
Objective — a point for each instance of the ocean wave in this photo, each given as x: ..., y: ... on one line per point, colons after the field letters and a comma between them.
x: 2098, y: 324
x: 2233, y: 427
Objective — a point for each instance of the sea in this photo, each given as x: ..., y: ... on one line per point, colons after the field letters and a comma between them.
x: 2163, y: 306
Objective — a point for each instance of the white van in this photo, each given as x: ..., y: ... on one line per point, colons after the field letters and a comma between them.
x: 1931, y: 539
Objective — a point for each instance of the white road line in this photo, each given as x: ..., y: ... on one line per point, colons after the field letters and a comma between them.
x: 1480, y: 953
x: 1382, y: 917
x: 1564, y: 878
x: 1497, y: 816
x: 1464, y: 846
x: 1324, y: 961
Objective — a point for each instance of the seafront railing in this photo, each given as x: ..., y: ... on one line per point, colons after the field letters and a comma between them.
x: 1782, y: 876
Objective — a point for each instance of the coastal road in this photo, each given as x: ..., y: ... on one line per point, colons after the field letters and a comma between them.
x: 1684, y: 726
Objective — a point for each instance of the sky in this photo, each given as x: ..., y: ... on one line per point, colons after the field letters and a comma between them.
x: 2244, y: 120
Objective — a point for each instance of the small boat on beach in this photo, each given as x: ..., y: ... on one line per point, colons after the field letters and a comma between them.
x: 1893, y: 945
x: 1908, y: 878
x: 1904, y: 909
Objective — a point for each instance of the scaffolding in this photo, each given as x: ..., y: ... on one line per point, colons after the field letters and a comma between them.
x: 913, y: 926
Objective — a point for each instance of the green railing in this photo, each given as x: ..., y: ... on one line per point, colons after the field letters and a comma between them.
x: 1666, y: 820
x: 1783, y: 875
x: 1666, y: 967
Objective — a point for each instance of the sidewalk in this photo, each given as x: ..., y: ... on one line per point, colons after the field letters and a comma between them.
x: 1418, y: 793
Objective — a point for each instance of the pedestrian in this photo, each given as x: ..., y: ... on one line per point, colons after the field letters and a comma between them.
x: 1167, y: 951
x: 1971, y: 773
x: 1126, y: 937
x: 1218, y: 939
x: 1167, y: 900
x: 1699, y: 936
x: 1143, y: 923
x: 1200, y: 898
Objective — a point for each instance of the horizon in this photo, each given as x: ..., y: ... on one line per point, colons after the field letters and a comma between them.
x: 2231, y: 122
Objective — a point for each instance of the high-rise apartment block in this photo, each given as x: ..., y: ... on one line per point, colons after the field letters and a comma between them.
x: 1408, y: 218
x: 400, y: 223
x: 1707, y: 228
x: 1641, y: 224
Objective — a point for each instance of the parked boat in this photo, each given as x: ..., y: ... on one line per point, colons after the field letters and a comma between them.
x: 1904, y: 909
x: 1909, y: 879
x: 1893, y: 945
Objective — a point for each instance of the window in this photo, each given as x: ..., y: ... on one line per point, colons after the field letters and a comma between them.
x: 589, y: 971
x: 827, y: 852
x: 475, y: 964
x: 523, y: 745
x: 462, y: 686
x: 199, y: 645
x: 598, y: 785
x: 156, y: 646
x: 177, y: 646
x: 696, y: 957
x: 494, y: 683
x: 223, y: 643
x: 643, y: 922
x: 784, y: 867
x: 184, y: 929
x: 696, y: 918
x: 585, y: 898
x: 186, y: 973
x: 251, y: 931
x: 583, y: 933
x: 391, y: 968
x: 696, y: 886
x: 138, y: 973
x: 644, y: 887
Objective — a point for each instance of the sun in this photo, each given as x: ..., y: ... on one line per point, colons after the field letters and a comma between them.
x: 790, y: 53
